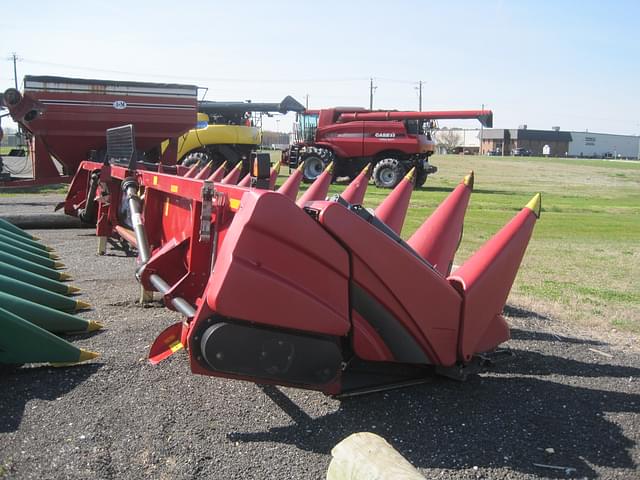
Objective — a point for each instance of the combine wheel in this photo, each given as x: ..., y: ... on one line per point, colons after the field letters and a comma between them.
x: 388, y: 172
x: 313, y: 167
x: 421, y: 177
x: 196, y: 157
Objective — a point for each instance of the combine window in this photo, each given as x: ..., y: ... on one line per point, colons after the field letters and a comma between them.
x: 305, y: 128
x: 417, y: 127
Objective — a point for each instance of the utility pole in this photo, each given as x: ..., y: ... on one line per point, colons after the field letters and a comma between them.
x: 14, y: 57
x: 371, y: 89
x: 419, y: 88
x: 306, y: 101
x: 481, y: 132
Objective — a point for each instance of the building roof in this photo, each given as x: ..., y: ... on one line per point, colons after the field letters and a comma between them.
x: 526, y: 134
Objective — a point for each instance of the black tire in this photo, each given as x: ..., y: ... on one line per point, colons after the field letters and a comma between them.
x: 313, y: 167
x: 388, y: 172
x: 421, y: 177
x: 196, y: 157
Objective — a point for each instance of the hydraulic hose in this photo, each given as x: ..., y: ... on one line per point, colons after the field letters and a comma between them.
x: 130, y: 186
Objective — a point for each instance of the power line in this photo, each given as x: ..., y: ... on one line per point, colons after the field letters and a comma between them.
x: 209, y: 79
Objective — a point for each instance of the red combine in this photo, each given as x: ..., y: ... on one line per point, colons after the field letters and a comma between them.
x: 392, y: 142
x: 312, y: 293
x: 65, y: 119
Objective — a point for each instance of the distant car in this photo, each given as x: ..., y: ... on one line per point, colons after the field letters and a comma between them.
x: 494, y: 153
x: 520, y: 152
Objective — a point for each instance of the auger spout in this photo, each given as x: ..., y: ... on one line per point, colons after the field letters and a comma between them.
x: 486, y: 279
x: 438, y: 237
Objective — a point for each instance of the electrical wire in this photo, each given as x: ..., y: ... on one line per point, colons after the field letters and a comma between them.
x: 208, y: 79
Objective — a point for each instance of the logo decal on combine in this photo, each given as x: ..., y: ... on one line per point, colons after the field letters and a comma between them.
x: 119, y: 104
x: 384, y: 135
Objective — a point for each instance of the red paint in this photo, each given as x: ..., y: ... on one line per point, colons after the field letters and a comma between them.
x: 69, y: 117
x: 393, y: 208
x: 438, y: 237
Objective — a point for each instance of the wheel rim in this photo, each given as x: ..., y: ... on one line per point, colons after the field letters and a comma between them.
x: 387, y: 176
x: 313, y: 167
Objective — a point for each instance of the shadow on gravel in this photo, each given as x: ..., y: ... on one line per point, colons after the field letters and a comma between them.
x: 489, y: 421
x: 518, y: 334
x: 44, y: 383
x: 533, y: 363
x: 518, y: 312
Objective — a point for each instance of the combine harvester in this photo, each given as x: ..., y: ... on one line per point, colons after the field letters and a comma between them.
x: 34, y: 304
x: 305, y: 292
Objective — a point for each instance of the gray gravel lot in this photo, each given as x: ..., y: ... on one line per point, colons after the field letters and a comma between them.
x: 119, y: 417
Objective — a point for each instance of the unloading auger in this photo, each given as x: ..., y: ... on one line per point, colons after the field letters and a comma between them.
x: 312, y: 293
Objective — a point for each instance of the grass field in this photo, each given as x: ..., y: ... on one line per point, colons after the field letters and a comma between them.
x: 583, y: 262
x: 5, y: 150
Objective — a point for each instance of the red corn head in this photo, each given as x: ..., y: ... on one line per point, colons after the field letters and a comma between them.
x: 205, y: 172
x: 393, y: 209
x: 273, y: 178
x: 292, y: 184
x: 319, y: 188
x: 167, y: 343
x: 486, y: 279
x: 192, y: 171
x: 219, y: 173
x: 354, y: 193
x: 438, y: 237
x: 246, y: 181
x: 233, y: 176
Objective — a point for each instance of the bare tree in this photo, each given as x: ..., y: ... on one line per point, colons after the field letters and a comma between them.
x: 448, y: 139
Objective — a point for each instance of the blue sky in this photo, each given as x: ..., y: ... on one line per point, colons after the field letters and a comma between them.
x: 541, y: 63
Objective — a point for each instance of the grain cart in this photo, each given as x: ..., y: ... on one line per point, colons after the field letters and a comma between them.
x: 307, y: 292
x: 393, y: 142
x: 65, y: 120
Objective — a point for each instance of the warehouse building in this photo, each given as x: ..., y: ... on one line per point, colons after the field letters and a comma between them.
x: 554, y: 142
x: 604, y: 145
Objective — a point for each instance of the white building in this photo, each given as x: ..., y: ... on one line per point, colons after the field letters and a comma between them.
x: 468, y: 140
x: 603, y: 145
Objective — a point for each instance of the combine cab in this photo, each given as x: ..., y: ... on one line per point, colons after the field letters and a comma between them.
x: 308, y: 292
x: 392, y: 142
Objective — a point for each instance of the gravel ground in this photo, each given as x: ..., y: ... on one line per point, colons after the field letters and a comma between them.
x: 119, y: 417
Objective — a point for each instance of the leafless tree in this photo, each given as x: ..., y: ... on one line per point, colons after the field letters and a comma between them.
x: 449, y: 139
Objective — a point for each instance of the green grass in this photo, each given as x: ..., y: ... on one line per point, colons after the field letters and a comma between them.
x: 57, y: 188
x: 6, y: 150
x: 583, y: 262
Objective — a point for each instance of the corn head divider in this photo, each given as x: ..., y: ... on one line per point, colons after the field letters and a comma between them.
x: 317, y: 294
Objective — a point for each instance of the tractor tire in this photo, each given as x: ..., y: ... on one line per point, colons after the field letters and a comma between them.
x: 313, y: 167
x: 421, y: 177
x: 196, y: 157
x: 388, y: 172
